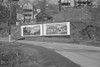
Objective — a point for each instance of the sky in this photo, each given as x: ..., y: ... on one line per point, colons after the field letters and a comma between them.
x: 50, y: 1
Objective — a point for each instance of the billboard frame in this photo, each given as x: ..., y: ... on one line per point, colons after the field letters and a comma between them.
x: 68, y: 29
x: 22, y: 30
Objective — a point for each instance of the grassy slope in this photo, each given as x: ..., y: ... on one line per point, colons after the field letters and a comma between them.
x: 76, y: 15
x: 71, y: 14
x: 32, y: 56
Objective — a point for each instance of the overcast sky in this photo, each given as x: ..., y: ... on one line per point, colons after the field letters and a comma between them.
x: 54, y: 1
x: 50, y: 1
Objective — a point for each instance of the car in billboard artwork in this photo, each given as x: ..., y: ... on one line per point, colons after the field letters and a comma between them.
x: 31, y: 30
x: 56, y: 29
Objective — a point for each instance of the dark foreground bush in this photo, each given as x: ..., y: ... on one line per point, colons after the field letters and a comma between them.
x: 9, y: 57
x: 90, y: 32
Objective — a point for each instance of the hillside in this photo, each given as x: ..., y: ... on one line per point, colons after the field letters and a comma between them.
x: 76, y: 16
x: 80, y: 18
x: 73, y: 14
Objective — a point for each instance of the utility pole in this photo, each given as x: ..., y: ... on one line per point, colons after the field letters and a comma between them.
x: 59, y: 5
x: 9, y: 23
x: 10, y: 19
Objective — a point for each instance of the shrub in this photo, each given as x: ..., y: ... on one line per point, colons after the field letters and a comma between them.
x: 9, y: 57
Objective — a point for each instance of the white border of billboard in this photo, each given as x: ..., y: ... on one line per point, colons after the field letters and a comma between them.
x: 67, y: 24
x: 41, y: 30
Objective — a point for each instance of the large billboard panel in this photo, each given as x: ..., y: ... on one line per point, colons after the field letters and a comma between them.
x: 52, y: 29
x: 31, y: 30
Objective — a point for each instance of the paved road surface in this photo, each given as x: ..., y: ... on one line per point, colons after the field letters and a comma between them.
x: 86, y: 56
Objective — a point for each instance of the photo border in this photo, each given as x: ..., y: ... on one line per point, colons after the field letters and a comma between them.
x: 68, y: 29
x: 41, y: 30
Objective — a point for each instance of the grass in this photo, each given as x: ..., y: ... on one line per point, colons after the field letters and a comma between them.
x: 92, y: 43
x: 26, y: 55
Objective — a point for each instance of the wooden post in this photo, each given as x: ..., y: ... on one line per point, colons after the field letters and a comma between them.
x: 10, y: 19
x: 10, y: 22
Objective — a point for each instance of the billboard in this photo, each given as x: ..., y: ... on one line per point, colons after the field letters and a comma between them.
x: 51, y: 29
x: 31, y: 30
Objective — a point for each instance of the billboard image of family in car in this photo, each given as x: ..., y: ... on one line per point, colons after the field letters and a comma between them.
x: 57, y: 29
x: 31, y: 30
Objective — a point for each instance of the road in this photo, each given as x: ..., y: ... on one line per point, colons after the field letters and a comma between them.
x: 86, y: 56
